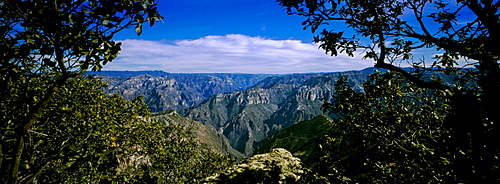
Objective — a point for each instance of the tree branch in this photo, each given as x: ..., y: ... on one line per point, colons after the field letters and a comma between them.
x: 380, y: 63
x: 418, y: 16
x: 486, y: 15
x: 417, y: 81
x: 30, y: 178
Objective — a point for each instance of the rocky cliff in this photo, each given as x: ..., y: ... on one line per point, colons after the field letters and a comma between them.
x: 160, y: 93
x: 239, y: 115
x: 246, y: 117
x: 164, y: 91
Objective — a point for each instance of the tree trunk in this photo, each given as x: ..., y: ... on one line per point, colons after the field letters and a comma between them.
x: 30, y: 119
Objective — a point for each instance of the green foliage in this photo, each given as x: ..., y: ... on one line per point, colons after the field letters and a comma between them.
x: 389, y: 32
x: 302, y: 139
x: 176, y: 156
x: 59, y: 127
x: 396, y: 132
x: 388, y: 134
x: 86, y: 136
x: 459, y: 31
x: 82, y: 132
x: 396, y: 28
x: 44, y: 44
x: 62, y: 36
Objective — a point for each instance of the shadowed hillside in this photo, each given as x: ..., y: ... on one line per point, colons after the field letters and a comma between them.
x: 302, y: 139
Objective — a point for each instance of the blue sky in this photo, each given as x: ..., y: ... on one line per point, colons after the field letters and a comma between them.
x: 227, y: 36
x: 194, y: 19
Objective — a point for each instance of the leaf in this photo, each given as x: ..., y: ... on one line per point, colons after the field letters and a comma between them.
x: 138, y: 29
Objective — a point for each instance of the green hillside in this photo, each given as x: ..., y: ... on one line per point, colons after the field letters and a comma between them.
x: 207, y: 136
x: 302, y: 139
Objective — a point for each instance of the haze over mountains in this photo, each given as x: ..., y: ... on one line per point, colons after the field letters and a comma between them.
x: 242, y: 109
x: 165, y: 91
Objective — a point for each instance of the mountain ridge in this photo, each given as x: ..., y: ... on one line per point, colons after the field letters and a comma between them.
x: 164, y: 91
x: 246, y: 117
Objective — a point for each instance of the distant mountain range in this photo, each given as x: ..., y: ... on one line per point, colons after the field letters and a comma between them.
x: 246, y: 117
x: 165, y: 91
x: 244, y: 110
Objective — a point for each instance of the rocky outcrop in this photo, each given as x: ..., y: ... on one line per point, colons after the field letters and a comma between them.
x: 278, y: 166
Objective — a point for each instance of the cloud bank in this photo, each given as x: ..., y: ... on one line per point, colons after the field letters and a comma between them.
x: 233, y: 53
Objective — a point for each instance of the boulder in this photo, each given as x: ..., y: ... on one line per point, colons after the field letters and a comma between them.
x: 278, y: 166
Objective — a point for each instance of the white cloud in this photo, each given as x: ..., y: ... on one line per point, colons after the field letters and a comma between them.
x: 232, y: 53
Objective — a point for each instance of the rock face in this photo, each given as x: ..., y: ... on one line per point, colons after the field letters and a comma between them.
x: 160, y: 93
x: 165, y: 91
x: 246, y: 117
x: 306, y: 101
x: 239, y: 115
x: 278, y: 166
